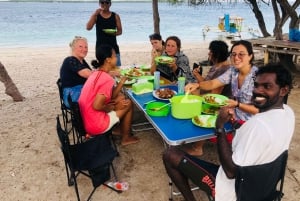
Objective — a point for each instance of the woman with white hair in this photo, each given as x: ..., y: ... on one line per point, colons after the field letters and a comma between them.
x: 75, y: 70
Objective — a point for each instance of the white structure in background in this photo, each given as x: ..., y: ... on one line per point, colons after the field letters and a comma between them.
x: 231, y: 27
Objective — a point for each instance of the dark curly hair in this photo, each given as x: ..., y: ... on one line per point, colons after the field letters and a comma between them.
x: 219, y: 50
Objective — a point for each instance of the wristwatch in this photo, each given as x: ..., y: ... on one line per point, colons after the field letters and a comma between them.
x: 219, y: 131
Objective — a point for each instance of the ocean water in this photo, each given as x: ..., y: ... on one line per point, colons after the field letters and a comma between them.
x: 27, y: 24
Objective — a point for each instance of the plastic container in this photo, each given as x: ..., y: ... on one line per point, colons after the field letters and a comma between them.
x: 156, y: 80
x: 187, y: 109
x: 181, y: 84
x: 160, y: 113
x: 120, y: 186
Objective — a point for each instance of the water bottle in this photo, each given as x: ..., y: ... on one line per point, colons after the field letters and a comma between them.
x: 156, y: 80
x: 120, y: 186
x: 181, y: 84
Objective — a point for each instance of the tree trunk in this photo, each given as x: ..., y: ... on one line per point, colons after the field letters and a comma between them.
x: 259, y: 17
x: 156, y: 18
x: 10, y: 87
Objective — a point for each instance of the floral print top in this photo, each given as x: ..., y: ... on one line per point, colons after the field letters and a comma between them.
x: 243, y: 94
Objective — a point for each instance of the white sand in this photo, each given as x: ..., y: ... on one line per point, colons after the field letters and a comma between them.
x: 31, y: 162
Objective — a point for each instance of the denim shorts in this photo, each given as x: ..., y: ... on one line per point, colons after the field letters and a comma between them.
x: 74, y: 92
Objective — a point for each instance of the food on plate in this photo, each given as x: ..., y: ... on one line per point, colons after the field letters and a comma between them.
x: 134, y: 72
x: 210, y: 110
x: 207, y: 121
x: 198, y: 121
x: 165, y: 93
x: 164, y: 60
x: 213, y: 100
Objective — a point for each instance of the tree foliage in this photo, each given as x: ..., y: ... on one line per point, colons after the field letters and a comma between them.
x: 283, y: 10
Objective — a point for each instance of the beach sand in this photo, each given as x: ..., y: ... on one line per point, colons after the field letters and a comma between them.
x: 31, y: 162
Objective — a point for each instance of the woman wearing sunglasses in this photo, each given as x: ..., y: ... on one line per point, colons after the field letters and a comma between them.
x: 108, y: 27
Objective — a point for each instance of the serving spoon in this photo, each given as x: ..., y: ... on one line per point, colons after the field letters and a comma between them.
x: 159, y: 108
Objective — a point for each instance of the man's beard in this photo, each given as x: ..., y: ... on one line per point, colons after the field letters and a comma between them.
x: 268, y: 102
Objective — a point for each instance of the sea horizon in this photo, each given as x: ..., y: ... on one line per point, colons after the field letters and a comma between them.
x: 55, y: 23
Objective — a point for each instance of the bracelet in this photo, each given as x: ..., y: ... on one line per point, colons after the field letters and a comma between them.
x: 238, y: 104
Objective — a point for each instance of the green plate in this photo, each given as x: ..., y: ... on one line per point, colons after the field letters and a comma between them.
x: 145, y: 67
x: 132, y: 72
x: 128, y: 82
x: 215, y: 99
x: 209, y: 109
x: 109, y: 30
x: 163, y: 59
x: 205, y: 120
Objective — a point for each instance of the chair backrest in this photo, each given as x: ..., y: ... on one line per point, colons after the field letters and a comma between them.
x: 259, y: 182
x: 60, y: 90
x: 93, y: 155
x: 76, y: 118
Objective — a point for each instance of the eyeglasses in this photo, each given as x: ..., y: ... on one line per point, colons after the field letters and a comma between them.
x: 105, y: 2
x: 240, y: 55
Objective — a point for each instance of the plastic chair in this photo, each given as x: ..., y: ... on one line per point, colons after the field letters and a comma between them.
x: 92, y: 158
x: 66, y: 112
x: 260, y: 182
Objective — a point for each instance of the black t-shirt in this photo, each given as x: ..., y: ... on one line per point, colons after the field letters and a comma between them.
x: 103, y: 38
x: 69, y: 72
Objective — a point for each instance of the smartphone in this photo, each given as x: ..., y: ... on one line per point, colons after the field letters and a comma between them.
x: 197, y: 66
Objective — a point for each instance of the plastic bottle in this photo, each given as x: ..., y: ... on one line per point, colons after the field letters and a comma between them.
x: 156, y: 80
x: 181, y: 84
x: 121, y: 186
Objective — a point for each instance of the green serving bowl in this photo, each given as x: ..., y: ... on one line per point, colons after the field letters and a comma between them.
x: 187, y: 109
x: 159, y: 113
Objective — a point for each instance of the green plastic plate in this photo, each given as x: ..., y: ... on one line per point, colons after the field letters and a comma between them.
x: 205, y: 121
x: 215, y: 99
x: 163, y: 59
x: 109, y: 30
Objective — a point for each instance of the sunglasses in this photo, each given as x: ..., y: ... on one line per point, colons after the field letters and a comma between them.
x: 105, y: 2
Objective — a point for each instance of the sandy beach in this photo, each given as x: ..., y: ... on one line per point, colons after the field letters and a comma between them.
x: 31, y: 162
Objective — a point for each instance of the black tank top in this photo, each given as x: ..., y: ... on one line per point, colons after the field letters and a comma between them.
x: 103, y: 38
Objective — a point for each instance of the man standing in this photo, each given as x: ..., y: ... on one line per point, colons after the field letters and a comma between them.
x: 258, y: 141
x: 108, y: 27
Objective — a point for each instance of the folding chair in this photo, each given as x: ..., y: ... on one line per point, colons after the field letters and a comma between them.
x: 66, y: 112
x: 260, y: 182
x: 78, y: 130
x: 92, y: 158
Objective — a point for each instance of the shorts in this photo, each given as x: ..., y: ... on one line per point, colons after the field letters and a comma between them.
x: 74, y: 92
x: 200, y: 172
x: 113, y: 119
